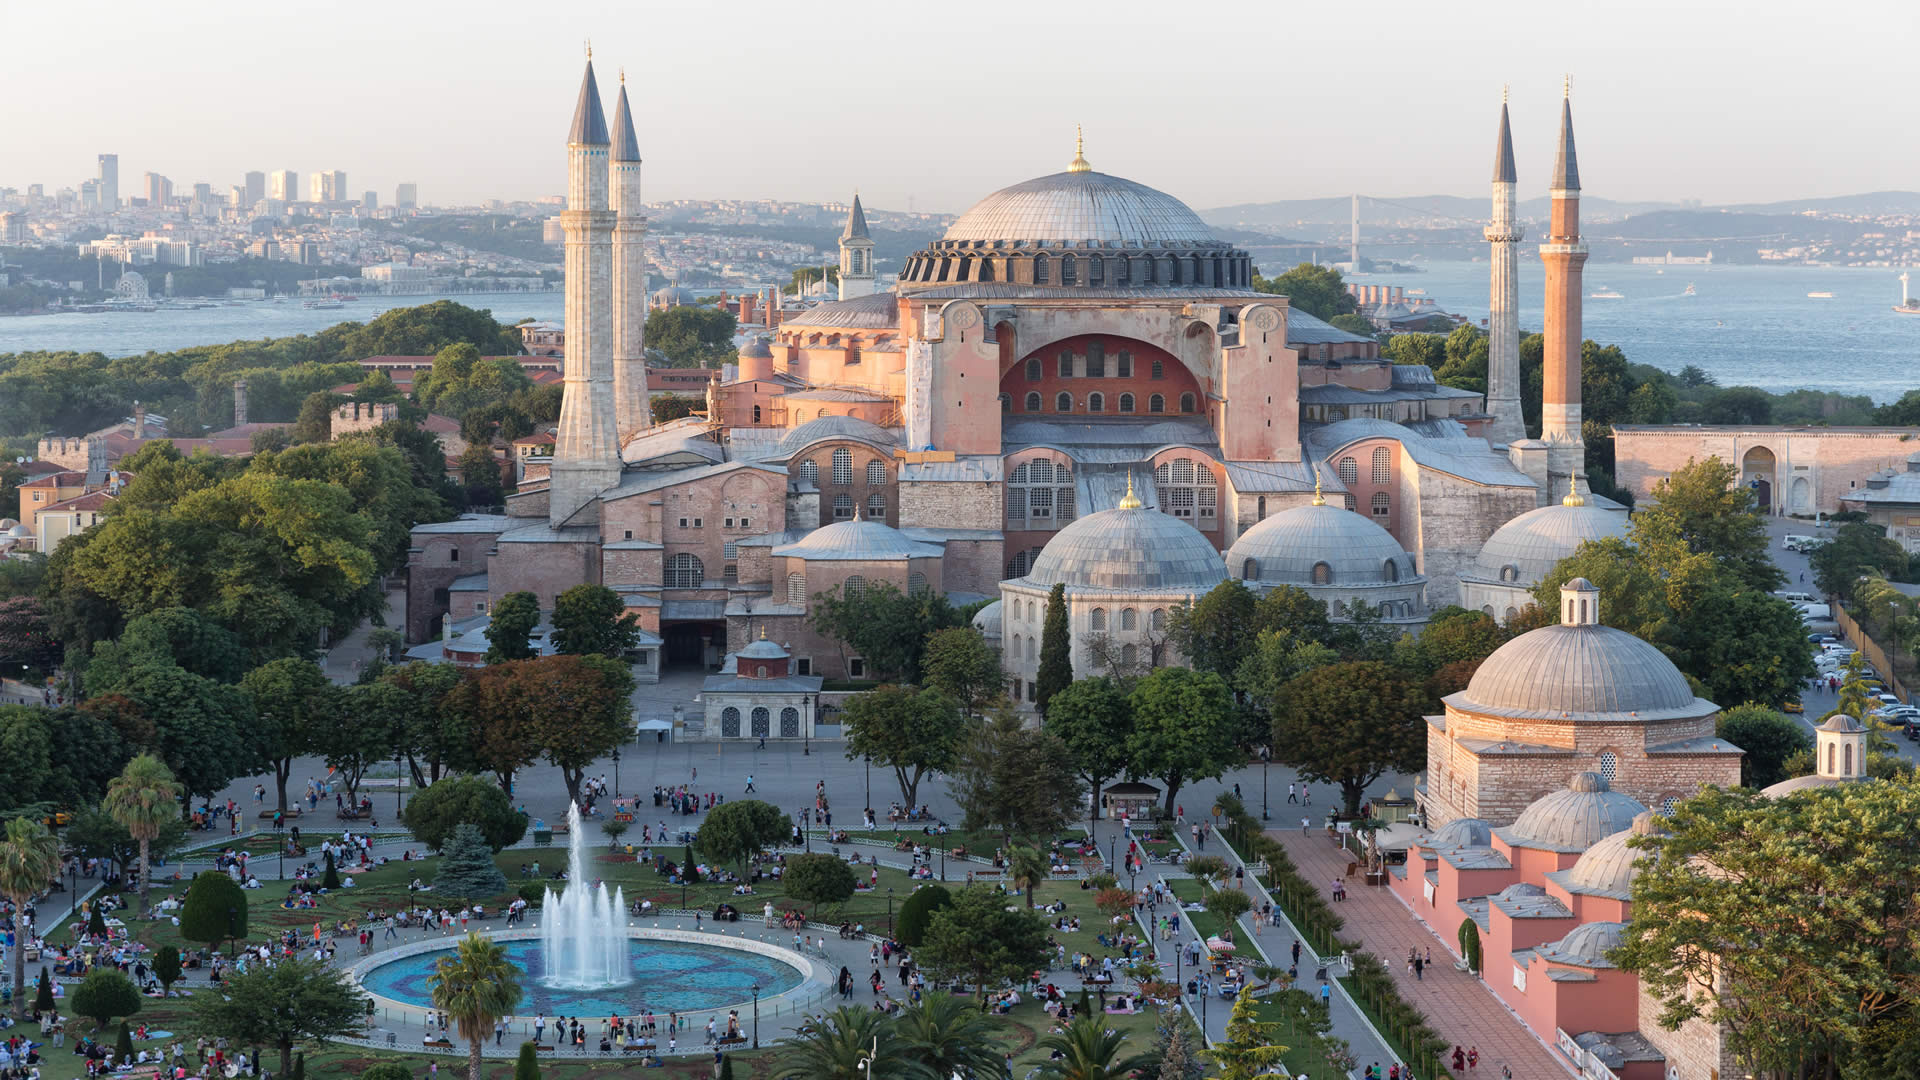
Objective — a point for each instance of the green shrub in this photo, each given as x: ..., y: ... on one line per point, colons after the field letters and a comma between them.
x: 917, y: 913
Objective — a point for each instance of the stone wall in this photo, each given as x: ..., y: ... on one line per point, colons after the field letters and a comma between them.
x: 432, y: 565
x: 1697, y: 1051
x: 545, y: 569
x: 1448, y: 520
x: 1808, y: 469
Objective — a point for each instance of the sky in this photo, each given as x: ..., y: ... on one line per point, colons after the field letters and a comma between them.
x: 932, y: 106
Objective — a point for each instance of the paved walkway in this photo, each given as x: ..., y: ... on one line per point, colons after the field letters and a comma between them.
x: 1460, y: 1007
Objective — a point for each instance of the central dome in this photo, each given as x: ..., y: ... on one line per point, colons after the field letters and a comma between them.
x: 1075, y: 208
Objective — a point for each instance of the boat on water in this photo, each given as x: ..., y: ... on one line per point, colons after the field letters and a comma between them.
x: 1605, y: 293
x: 323, y: 305
x: 1907, y: 305
x: 1688, y: 291
x: 1819, y: 296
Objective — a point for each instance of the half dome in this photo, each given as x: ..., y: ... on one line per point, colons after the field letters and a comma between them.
x: 1130, y: 549
x: 1609, y: 867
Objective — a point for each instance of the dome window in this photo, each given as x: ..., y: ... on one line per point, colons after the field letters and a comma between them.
x: 1667, y: 806
x: 1123, y: 365
x: 1250, y: 570
x: 1349, y: 471
x: 842, y: 467
x: 1042, y: 269
x: 855, y: 585
x: 1391, y: 570
x: 1509, y: 573
x: 810, y: 471
x: 1382, y: 465
x: 1069, y: 271
x: 1322, y: 574
x: 876, y: 473
x: 1158, y: 371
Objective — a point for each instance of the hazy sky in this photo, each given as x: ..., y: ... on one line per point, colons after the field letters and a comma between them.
x: 941, y: 103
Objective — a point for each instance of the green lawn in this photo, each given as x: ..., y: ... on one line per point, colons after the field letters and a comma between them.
x: 1189, y: 890
x: 1297, y: 1034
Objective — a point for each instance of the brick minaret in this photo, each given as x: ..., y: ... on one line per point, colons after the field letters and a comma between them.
x: 1563, y: 256
x: 630, y: 412
x: 1503, y: 235
x: 586, y: 453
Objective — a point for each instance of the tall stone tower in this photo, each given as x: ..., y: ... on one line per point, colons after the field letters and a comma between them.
x: 630, y: 412
x: 1503, y: 235
x: 586, y: 453
x: 1564, y: 256
x: 856, y: 254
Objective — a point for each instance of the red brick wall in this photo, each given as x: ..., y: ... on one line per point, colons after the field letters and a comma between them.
x: 1141, y: 385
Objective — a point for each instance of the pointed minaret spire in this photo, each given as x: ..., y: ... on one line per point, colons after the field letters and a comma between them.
x: 1566, y: 166
x: 626, y: 146
x: 1503, y: 170
x: 1503, y: 235
x: 856, y: 222
x: 856, y: 255
x: 589, y: 122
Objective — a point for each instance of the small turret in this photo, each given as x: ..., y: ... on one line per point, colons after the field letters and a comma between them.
x: 856, y: 254
x: 1579, y: 603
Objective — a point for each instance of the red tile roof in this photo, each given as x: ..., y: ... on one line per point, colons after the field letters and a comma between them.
x: 93, y: 500
x: 63, y: 478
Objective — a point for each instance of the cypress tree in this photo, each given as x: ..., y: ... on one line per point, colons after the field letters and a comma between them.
x: 331, y: 880
x: 528, y: 1066
x: 43, y: 999
x: 123, y: 1044
x: 1056, y: 656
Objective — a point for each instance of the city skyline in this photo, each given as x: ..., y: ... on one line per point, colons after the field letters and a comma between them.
x: 1694, y: 109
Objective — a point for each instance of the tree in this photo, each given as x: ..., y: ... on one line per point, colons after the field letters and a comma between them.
x: 526, y: 1067
x: 461, y: 381
x: 1056, y: 651
x: 1027, y: 868
x: 1176, y: 1053
x: 572, y: 709
x: 166, y: 966
x: 1092, y: 717
x: 1704, y: 506
x: 1768, y: 737
x: 372, y: 727
x: 315, y: 422
x: 510, y: 627
x: 1228, y: 905
x: 436, y: 733
x: 1742, y: 405
x: 667, y: 408
x: 850, y: 1043
x: 948, y: 1036
x: 959, y: 663
x: 1183, y: 729
x: 736, y: 831
x: 1018, y: 780
x: 916, y: 914
x: 818, y: 878
x: 143, y: 799
x: 433, y: 814
x: 1349, y: 723
x: 1089, y: 1050
x: 692, y: 335
x: 467, y: 870
x: 94, y: 834
x: 198, y: 727
x: 292, y: 701
x: 1470, y: 944
x: 480, y: 478
x: 294, y: 1000
x: 26, y: 636
x: 887, y: 627
x: 913, y: 732
x: 215, y: 909
x: 1858, y: 549
x: 105, y: 995
x: 43, y: 1001
x: 1316, y: 290
x: 475, y: 987
x: 394, y: 1070
x: 592, y: 618
x: 29, y: 861
x: 1248, y: 1052
x: 980, y: 941
x: 1216, y: 633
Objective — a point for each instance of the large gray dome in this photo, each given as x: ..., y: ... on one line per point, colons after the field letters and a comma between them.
x: 1285, y: 548
x: 1580, y: 673
x: 1129, y: 549
x: 857, y: 541
x: 1083, y: 207
x: 1575, y: 819
x: 1526, y: 549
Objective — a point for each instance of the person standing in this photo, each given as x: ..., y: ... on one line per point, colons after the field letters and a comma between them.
x: 539, y: 1024
x: 1293, y: 794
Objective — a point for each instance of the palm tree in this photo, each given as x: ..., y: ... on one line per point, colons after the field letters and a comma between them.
x: 29, y: 861
x: 142, y: 799
x: 1026, y: 867
x: 1091, y: 1053
x: 476, y: 986
x: 851, y: 1043
x: 949, y: 1036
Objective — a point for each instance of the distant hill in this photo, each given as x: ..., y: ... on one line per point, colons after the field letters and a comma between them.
x: 1872, y: 203
x: 1293, y: 216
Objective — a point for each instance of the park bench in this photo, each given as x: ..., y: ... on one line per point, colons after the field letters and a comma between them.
x: 438, y: 1044
x: 732, y: 1040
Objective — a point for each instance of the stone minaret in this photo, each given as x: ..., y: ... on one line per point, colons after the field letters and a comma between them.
x: 239, y: 402
x: 1503, y: 323
x: 1563, y: 256
x: 586, y: 453
x: 630, y: 413
x: 856, y: 254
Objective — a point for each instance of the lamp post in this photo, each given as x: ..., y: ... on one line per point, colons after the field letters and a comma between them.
x: 806, y: 834
x: 233, y: 931
x: 869, y: 769
x: 396, y: 787
x: 889, y: 911
x: 1266, y: 756
x: 943, y: 864
x: 756, y: 1015
x: 616, y: 772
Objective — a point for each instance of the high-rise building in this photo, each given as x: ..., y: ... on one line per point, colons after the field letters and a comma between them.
x: 159, y: 190
x: 406, y: 196
x: 236, y: 197
x: 108, y: 182
x: 328, y: 186
x: 13, y: 228
x: 284, y: 185
x: 203, y: 193
x: 370, y: 200
x: 256, y: 188
x: 90, y: 194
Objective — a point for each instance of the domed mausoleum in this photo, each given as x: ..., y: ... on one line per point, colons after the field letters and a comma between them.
x: 1336, y: 556
x: 1523, y: 551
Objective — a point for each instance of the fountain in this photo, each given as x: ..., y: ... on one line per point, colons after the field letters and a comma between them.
x: 583, y: 937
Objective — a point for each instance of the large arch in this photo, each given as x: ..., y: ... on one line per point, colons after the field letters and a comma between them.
x: 1759, y: 470
x: 1068, y: 365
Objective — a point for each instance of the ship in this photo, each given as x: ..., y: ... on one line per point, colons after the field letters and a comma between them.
x: 1819, y: 296
x: 1688, y: 291
x: 1605, y: 293
x: 324, y: 305
x: 1907, y: 305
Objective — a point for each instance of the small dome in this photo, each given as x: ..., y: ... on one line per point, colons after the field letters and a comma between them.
x: 987, y: 620
x: 1842, y: 724
x: 1587, y: 945
x: 1134, y: 550
x: 674, y: 294
x: 1286, y: 548
x: 1520, y: 890
x: 835, y: 427
x: 1587, y: 672
x: 1609, y: 867
x: 20, y: 532
x: 756, y: 349
x: 875, y: 311
x: 1459, y: 833
x: 1083, y: 207
x: 1526, y: 549
x: 857, y: 541
x: 762, y: 650
x: 1587, y: 812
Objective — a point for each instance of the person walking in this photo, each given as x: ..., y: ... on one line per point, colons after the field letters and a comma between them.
x: 749, y: 782
x: 1293, y: 794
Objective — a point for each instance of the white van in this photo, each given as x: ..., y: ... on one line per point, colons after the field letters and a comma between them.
x: 1795, y: 597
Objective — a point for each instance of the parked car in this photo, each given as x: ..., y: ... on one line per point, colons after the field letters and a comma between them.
x: 1794, y: 707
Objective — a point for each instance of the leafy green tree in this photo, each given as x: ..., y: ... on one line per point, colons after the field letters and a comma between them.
x: 377, y: 477
x: 916, y: 914
x: 394, y: 1070
x: 887, y: 627
x: 475, y: 987
x: 1249, y: 1051
x: 1353, y: 324
x: 26, y: 749
x: 1316, y: 290
x: 948, y: 1036
x: 29, y: 862
x: 94, y: 834
x: 692, y: 335
x: 1277, y: 657
x: 913, y: 732
x: 435, y: 734
x: 293, y: 701
x: 26, y: 637
x: 462, y: 380
x: 1056, y: 651
x: 1089, y: 1050
x: 293, y: 1001
x: 1017, y: 780
x: 1740, y: 405
x: 433, y: 814
x: 1183, y: 729
x: 105, y: 995
x: 525, y: 1067
x: 315, y: 422
x: 1349, y: 723
x: 1469, y: 935
x: 1228, y: 905
x: 1768, y: 737
x: 1704, y: 506
x: 1455, y: 635
x: 1092, y: 717
x: 572, y: 709
x: 87, y: 751
x: 737, y: 830
x: 143, y: 799
x: 1858, y: 549
x: 667, y: 408
x: 850, y: 1043
x: 166, y: 966
x: 592, y: 618
x: 818, y: 878
x: 215, y: 909
x: 467, y: 870
x: 371, y: 728
x: 480, y: 477
x: 179, y: 636
x: 959, y: 663
x: 1216, y: 633
x: 510, y: 629
x: 978, y: 940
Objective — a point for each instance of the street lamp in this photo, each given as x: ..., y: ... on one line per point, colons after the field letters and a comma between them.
x: 396, y: 787
x: 616, y: 772
x: 233, y: 931
x: 869, y: 769
x: 1266, y: 756
x: 756, y: 1015
x: 889, y: 911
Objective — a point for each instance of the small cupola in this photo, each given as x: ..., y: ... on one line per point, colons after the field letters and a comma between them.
x: 1579, y: 603
x: 1840, y: 748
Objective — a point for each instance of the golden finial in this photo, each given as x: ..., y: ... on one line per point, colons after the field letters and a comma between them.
x: 763, y: 631
x: 1566, y: 85
x: 1079, y: 163
x: 589, y: 48
x: 1318, y: 499
x: 623, y: 74
x: 1504, y: 87
x: 1130, y: 501
x: 1573, y: 499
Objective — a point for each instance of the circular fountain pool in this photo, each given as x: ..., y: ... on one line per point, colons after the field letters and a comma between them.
x: 668, y: 976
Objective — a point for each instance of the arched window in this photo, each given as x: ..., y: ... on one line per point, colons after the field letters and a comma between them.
x: 876, y: 508
x: 810, y: 471
x: 876, y: 473
x: 1096, y: 355
x: 1322, y: 574
x: 1042, y: 269
x: 756, y: 414
x: 797, y: 589
x: 1063, y: 365
x: 1511, y: 613
x: 1156, y: 404
x: 1189, y: 491
x: 1349, y: 471
x: 1029, y: 648
x: 683, y: 571
x: 730, y: 722
x: 1069, y: 271
x: 1667, y: 804
x: 1846, y: 758
x: 1096, y: 402
x: 1250, y: 570
x: 843, y: 507
x: 1063, y: 402
x: 1261, y: 513
x: 1129, y: 655
x: 916, y: 584
x: 1392, y: 570
x: 1382, y: 505
x: 799, y: 415
x: 1126, y: 403
x: 1040, y: 493
x: 1129, y: 619
x: 1123, y: 365
x: 842, y: 467
x: 1158, y: 620
x: 762, y: 718
x: 759, y: 671
x: 1509, y: 573
x: 1186, y: 403
x: 1159, y: 370
x: 1097, y: 619
x: 789, y: 723
x: 1033, y: 401
x: 1033, y: 369
x: 855, y: 585
x: 1382, y: 465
